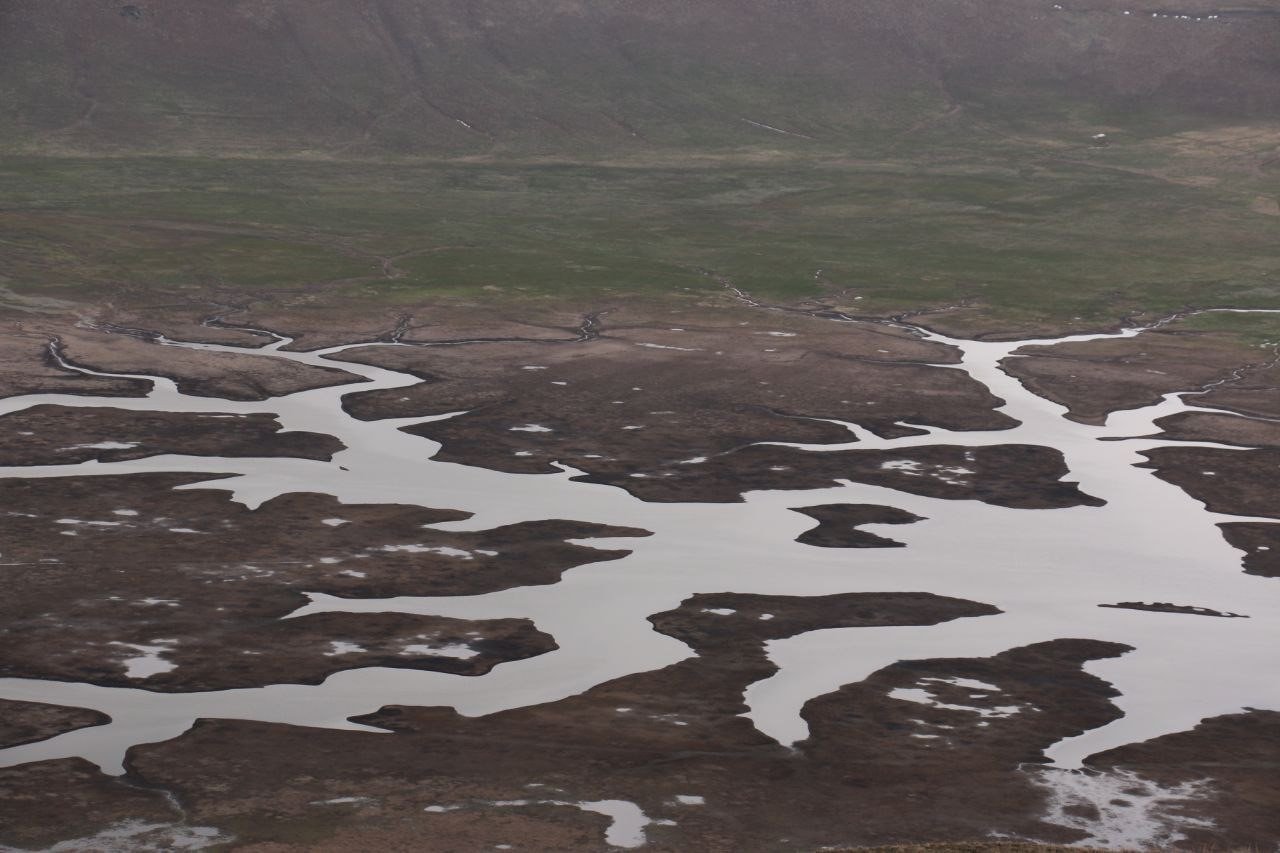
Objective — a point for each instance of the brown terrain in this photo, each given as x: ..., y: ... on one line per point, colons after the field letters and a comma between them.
x: 149, y: 571
x: 25, y: 722
x: 1095, y: 378
x: 873, y: 764
x: 230, y: 376
x: 64, y: 435
x: 867, y: 750
x: 492, y: 76
x: 838, y: 525
x: 206, y: 171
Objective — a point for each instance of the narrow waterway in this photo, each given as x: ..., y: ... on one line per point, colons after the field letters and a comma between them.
x: 1047, y: 570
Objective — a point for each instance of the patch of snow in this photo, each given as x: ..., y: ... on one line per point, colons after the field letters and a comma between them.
x: 453, y: 650
x: 663, y: 346
x: 135, y: 836
x: 104, y: 445
x: 1119, y: 809
x: 443, y: 550
x: 967, y: 683
x: 924, y: 697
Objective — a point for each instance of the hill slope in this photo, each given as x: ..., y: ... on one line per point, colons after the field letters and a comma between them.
x: 376, y: 77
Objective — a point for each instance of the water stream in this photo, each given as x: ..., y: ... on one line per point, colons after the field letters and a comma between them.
x: 1047, y: 570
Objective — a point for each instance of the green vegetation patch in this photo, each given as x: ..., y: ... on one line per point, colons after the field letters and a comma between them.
x: 1021, y: 238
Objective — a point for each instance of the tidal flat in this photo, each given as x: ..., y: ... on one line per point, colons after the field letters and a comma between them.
x: 391, y: 601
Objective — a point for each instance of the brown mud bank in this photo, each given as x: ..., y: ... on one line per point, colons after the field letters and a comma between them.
x: 877, y: 769
x: 1022, y: 476
x: 1094, y: 378
x: 27, y: 722
x: 28, y: 367
x: 230, y: 376
x: 65, y: 435
x: 697, y: 382
x: 1237, y: 482
x: 125, y: 581
x: 1239, y: 755
x: 1222, y: 429
x: 838, y: 525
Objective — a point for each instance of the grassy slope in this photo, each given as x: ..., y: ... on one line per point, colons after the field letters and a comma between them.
x: 945, y: 154
x: 1037, y: 234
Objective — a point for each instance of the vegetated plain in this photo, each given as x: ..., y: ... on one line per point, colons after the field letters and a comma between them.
x: 1035, y: 161
x: 579, y: 185
x: 1027, y: 233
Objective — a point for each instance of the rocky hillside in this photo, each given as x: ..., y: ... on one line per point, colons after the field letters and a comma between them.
x: 431, y: 77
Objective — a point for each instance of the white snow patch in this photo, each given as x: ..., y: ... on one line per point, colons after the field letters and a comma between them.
x: 1132, y: 813
x: 664, y: 346
x: 924, y: 697
x: 443, y: 550
x: 104, y: 445
x: 967, y: 683
x: 135, y: 836
x: 453, y: 650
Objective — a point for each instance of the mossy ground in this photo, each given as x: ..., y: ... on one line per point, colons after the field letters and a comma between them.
x: 1026, y: 232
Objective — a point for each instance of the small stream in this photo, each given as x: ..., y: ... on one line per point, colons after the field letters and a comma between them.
x: 1047, y: 570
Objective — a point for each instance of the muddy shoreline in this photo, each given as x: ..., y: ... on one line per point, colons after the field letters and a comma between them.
x: 134, y: 580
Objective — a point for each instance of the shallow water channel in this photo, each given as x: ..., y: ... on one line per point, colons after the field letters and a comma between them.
x: 1047, y: 570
